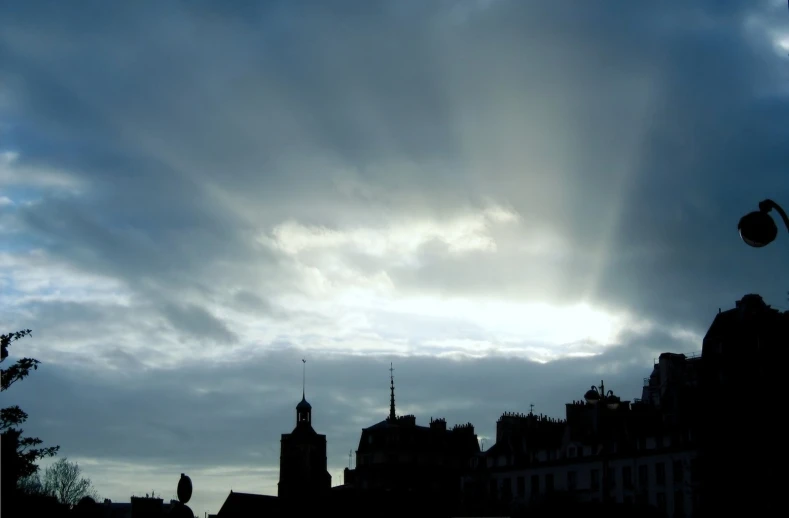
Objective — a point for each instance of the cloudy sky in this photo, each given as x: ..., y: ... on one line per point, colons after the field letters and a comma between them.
x: 508, y: 199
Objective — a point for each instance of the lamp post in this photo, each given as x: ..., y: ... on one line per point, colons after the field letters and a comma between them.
x: 180, y: 509
x: 599, y: 398
x: 757, y: 228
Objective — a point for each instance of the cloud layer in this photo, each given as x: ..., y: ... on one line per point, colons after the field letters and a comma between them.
x: 500, y: 194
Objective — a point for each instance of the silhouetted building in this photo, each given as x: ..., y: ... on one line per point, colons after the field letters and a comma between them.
x: 303, y: 466
x: 608, y: 453
x: 112, y: 509
x: 399, y: 457
x: 242, y: 505
x: 745, y: 354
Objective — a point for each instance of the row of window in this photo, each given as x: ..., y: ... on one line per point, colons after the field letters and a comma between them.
x: 642, y: 443
x: 643, y: 480
x: 678, y: 503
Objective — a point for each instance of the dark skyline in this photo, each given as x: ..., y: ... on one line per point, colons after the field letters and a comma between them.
x: 508, y: 200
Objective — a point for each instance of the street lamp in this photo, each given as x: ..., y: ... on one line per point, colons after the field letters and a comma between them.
x: 597, y: 395
x: 757, y: 228
x: 180, y: 509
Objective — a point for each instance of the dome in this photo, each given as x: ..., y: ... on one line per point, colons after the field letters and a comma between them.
x: 303, y: 405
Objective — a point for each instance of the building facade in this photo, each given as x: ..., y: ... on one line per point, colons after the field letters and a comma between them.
x: 745, y: 354
x: 398, y: 456
x: 642, y: 453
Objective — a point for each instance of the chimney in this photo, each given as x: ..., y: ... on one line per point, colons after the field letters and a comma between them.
x: 438, y: 424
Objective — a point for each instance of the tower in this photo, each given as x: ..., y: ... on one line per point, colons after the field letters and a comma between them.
x: 303, y: 463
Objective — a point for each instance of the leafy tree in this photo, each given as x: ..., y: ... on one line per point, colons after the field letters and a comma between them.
x: 31, y: 485
x: 64, y: 481
x: 20, y: 454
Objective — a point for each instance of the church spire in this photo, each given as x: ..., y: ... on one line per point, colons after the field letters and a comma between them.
x: 392, y: 415
x: 303, y: 409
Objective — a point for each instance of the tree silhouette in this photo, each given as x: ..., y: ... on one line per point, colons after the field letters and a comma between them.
x: 30, y: 485
x: 19, y: 454
x: 64, y: 481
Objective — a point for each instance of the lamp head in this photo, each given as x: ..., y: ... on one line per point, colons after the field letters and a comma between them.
x: 757, y: 228
x: 592, y: 396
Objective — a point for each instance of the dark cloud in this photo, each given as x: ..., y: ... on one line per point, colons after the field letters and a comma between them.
x: 196, y: 320
x: 160, y: 144
x: 222, y: 414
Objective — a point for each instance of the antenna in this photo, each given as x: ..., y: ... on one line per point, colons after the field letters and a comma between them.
x: 303, y: 377
x: 531, y: 408
x: 350, y: 454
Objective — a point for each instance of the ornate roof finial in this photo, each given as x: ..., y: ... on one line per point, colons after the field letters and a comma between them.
x: 303, y: 377
x: 392, y: 415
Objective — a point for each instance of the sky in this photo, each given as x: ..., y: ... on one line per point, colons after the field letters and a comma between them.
x: 508, y: 200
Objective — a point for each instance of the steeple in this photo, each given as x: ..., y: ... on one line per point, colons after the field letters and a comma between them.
x: 303, y: 409
x: 392, y: 415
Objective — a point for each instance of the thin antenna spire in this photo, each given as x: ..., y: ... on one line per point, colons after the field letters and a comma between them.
x: 392, y: 415
x: 350, y: 454
x: 303, y: 377
x: 531, y: 408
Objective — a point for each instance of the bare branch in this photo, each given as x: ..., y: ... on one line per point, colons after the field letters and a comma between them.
x: 64, y: 480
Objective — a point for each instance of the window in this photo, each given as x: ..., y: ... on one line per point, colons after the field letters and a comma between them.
x: 572, y: 480
x: 661, y: 502
x: 549, y: 482
x: 506, y: 488
x: 643, y: 476
x: 627, y: 476
x: 679, y: 504
x: 678, y: 470
x: 521, y: 487
x: 610, y: 474
x: 694, y: 470
x: 535, y: 485
x: 595, y: 476
x: 660, y: 473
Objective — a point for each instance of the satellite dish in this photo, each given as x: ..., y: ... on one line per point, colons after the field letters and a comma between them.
x: 184, y: 489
